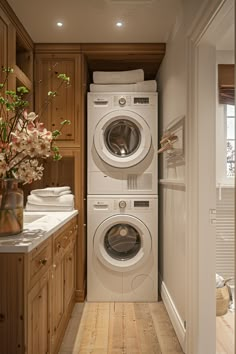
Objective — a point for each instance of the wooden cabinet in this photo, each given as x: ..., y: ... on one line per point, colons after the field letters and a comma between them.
x: 38, y: 316
x: 69, y: 273
x: 51, y: 59
x: 4, y: 29
x: 63, y: 280
x: 37, y: 294
x: 66, y: 103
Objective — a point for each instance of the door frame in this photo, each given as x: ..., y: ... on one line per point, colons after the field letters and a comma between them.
x: 200, y: 309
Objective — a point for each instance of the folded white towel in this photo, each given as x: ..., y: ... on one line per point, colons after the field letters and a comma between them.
x: 51, y: 191
x: 144, y: 86
x: 33, y: 207
x: 118, y: 77
x: 63, y: 200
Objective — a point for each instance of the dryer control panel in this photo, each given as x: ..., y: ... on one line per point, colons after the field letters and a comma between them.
x: 126, y: 100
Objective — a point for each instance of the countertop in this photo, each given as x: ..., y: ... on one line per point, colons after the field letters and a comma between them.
x: 35, y: 232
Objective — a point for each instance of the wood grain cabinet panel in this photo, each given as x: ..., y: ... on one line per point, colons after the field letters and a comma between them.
x: 38, y: 317
x: 69, y: 286
x: 3, y: 43
x: 65, y: 105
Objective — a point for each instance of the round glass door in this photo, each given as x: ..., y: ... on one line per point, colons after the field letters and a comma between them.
x: 122, y: 139
x: 122, y: 243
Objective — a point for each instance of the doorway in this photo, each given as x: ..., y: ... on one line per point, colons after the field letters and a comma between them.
x: 202, y: 196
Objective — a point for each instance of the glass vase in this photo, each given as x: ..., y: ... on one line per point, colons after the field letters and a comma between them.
x: 11, y: 207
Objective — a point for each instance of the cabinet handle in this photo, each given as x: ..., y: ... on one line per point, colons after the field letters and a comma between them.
x: 68, y: 134
x: 43, y: 261
x: 70, y: 258
x: 54, y: 265
x: 58, y: 246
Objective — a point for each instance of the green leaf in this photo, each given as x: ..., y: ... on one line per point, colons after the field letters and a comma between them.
x: 66, y: 122
x: 7, y: 70
x: 52, y: 93
x: 63, y: 77
x: 22, y: 90
x: 56, y: 133
x: 57, y: 156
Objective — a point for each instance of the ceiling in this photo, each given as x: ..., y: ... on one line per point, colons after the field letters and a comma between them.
x: 93, y: 21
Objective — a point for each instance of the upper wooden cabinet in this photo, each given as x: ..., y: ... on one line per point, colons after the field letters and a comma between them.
x: 66, y: 104
x: 16, y: 49
x: 4, y: 28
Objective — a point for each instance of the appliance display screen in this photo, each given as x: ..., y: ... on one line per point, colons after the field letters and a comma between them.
x: 141, y: 100
x: 141, y: 203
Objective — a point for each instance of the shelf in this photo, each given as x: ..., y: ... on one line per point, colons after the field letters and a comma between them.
x: 22, y: 78
x: 172, y: 182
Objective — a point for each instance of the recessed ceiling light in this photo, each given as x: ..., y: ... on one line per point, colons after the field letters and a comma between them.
x: 59, y: 24
x: 119, y: 24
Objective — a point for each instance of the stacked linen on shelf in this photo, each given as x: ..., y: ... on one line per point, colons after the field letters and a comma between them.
x: 50, y: 199
x: 122, y: 81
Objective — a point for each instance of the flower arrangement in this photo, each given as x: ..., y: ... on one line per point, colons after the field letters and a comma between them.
x: 24, y: 140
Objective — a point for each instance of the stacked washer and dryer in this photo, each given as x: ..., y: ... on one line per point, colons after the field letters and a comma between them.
x: 122, y: 197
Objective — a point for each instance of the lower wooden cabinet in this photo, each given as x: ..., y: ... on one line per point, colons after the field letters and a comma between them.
x: 38, y: 317
x: 37, y: 294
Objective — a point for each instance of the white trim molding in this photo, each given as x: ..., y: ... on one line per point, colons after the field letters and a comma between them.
x: 175, y: 318
x: 198, y: 340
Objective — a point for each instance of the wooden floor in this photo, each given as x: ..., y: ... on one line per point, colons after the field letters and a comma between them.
x: 120, y: 328
x: 132, y: 328
x: 225, y: 334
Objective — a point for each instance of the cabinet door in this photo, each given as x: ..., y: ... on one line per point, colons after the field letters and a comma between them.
x: 57, y: 295
x: 38, y: 318
x: 69, y: 283
x: 65, y: 104
x: 4, y: 37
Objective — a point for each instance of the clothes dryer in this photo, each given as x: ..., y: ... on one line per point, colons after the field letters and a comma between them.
x: 122, y: 248
x: 122, y: 143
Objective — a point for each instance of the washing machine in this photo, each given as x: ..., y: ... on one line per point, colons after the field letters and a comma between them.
x: 122, y: 143
x: 122, y: 248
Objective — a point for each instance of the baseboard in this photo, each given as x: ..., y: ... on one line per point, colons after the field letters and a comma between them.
x: 80, y: 295
x: 173, y: 313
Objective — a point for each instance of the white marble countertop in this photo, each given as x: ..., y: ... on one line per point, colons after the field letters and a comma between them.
x: 36, y: 231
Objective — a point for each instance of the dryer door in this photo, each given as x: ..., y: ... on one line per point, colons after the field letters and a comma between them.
x: 122, y: 139
x: 122, y: 243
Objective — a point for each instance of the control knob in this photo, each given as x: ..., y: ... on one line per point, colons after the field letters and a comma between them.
x: 122, y: 204
x: 122, y: 101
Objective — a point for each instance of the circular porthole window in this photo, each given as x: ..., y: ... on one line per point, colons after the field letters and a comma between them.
x: 122, y: 139
x: 122, y: 243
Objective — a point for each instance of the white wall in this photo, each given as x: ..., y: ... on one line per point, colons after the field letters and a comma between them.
x: 172, y: 91
x: 172, y: 88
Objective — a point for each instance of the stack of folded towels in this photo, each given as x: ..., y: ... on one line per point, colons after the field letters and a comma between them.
x: 122, y: 81
x: 50, y: 199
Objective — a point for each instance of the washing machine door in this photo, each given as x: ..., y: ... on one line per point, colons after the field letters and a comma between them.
x: 122, y: 243
x: 122, y: 139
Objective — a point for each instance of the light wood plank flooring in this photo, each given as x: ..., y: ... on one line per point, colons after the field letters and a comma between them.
x: 225, y: 334
x: 120, y: 328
